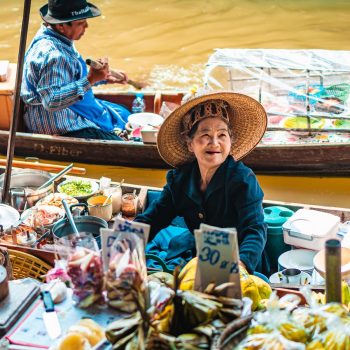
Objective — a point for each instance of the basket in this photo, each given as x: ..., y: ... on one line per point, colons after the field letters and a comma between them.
x: 27, y: 265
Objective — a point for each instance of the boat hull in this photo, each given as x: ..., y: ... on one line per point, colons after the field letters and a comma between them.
x: 319, y: 159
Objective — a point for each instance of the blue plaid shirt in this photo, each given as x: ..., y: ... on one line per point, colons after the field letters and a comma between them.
x: 52, y: 81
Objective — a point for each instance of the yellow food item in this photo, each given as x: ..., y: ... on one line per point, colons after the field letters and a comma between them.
x: 74, y: 341
x: 188, y: 274
x: 263, y: 287
x: 315, y: 345
x: 94, y: 327
x: 249, y: 287
x: 345, y: 293
x: 163, y: 277
x: 293, y: 332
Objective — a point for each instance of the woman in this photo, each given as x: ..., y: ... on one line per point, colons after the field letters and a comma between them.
x: 204, y: 139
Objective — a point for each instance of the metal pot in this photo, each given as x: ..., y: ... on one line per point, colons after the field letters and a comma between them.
x: 23, y: 185
x: 84, y: 223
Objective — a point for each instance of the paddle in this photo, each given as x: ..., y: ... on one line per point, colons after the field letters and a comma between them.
x: 43, y: 166
x: 96, y: 65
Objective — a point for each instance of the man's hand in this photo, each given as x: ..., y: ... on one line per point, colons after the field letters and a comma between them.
x: 95, y: 75
x: 117, y: 77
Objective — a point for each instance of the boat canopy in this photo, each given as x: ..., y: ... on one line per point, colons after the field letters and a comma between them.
x: 300, y: 89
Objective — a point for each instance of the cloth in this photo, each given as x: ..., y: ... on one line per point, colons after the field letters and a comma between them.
x: 174, y: 245
x: 92, y: 133
x: 233, y: 199
x: 53, y: 81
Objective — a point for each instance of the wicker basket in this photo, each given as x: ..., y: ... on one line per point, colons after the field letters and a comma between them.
x: 27, y: 265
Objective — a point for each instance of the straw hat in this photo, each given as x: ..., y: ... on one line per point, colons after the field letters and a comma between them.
x: 247, y: 120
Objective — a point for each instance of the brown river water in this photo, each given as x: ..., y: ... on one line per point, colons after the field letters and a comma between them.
x: 167, y: 43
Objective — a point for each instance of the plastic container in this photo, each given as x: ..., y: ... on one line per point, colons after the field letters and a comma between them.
x: 302, y: 259
x: 138, y: 105
x: 310, y: 229
x: 275, y: 217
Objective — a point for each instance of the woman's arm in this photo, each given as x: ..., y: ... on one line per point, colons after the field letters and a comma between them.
x: 251, y: 226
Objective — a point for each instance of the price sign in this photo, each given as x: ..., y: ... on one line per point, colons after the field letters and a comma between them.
x: 218, y: 259
x: 108, y: 236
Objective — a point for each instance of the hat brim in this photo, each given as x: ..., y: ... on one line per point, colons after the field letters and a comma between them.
x: 248, y: 122
x: 94, y: 12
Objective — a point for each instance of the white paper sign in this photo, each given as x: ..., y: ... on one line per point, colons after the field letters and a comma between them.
x: 108, y: 236
x: 218, y: 259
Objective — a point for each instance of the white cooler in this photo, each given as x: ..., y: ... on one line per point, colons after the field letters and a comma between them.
x: 310, y: 229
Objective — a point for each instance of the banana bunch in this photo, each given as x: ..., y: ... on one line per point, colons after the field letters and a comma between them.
x: 337, y: 339
x: 293, y: 332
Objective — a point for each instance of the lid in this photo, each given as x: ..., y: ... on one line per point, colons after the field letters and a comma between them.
x: 8, y: 216
x: 312, y: 222
x: 276, y: 215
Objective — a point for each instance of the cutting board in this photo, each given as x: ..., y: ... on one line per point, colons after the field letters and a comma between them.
x: 21, y: 296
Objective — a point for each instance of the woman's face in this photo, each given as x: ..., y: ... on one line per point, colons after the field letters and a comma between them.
x: 211, y: 143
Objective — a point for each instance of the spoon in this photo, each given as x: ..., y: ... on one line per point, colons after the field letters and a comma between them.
x: 70, y: 217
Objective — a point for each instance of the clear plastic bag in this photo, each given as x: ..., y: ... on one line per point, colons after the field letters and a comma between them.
x: 127, y: 274
x: 84, y: 267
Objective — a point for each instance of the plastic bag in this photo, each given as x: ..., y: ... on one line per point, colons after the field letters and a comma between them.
x: 127, y: 274
x: 84, y: 267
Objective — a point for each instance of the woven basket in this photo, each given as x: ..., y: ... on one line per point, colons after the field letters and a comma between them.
x: 27, y: 265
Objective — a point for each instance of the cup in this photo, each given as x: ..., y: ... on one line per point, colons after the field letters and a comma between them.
x: 129, y: 205
x: 116, y: 192
x: 97, y: 208
x: 291, y: 276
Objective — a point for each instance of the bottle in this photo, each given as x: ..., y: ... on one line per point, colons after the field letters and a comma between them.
x: 138, y: 105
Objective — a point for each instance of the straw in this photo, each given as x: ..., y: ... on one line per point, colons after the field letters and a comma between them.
x: 121, y: 183
x: 107, y: 199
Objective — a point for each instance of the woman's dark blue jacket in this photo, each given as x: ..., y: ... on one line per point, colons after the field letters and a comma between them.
x: 233, y: 199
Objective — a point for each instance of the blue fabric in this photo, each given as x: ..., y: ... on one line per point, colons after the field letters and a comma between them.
x: 52, y: 82
x: 233, y: 199
x: 105, y: 114
x: 172, y: 250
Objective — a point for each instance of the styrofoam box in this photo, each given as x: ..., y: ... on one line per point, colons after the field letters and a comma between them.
x: 310, y: 229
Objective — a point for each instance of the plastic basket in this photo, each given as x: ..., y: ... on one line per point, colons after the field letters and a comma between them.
x: 27, y: 265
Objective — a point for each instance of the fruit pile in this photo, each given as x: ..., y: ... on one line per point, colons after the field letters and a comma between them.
x: 177, y: 317
x: 318, y: 327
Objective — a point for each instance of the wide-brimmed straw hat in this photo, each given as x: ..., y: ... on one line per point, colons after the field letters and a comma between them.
x: 63, y: 11
x: 247, y: 120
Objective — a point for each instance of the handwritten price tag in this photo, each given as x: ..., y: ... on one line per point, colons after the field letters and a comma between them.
x: 108, y: 236
x: 218, y: 259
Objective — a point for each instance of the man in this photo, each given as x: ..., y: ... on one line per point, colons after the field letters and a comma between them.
x: 56, y: 87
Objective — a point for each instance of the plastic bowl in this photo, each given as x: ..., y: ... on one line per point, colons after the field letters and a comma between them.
x: 137, y: 120
x: 301, y: 259
x: 320, y: 262
x: 94, y: 188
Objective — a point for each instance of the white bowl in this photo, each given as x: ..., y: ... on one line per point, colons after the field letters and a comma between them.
x: 302, y: 259
x: 142, y: 119
x: 320, y: 262
x: 94, y: 188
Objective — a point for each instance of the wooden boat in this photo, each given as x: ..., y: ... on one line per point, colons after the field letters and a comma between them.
x: 143, y: 191
x: 290, y: 154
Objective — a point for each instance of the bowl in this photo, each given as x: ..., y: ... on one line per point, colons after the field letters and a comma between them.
x: 301, y: 259
x: 320, y: 262
x: 137, y: 120
x: 80, y: 189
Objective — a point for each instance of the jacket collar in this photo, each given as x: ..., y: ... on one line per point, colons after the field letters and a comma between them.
x: 191, y: 187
